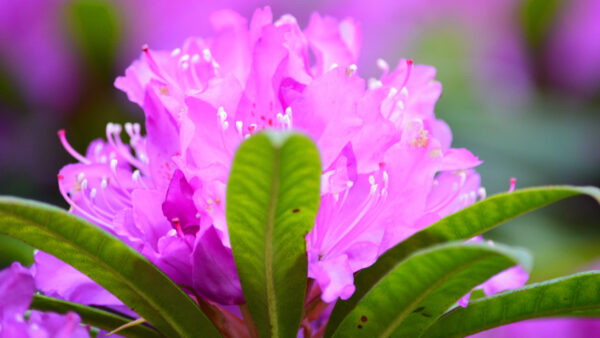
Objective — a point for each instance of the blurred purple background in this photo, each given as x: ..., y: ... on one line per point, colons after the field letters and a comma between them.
x: 521, y: 90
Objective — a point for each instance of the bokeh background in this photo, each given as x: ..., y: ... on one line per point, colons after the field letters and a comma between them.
x: 521, y: 90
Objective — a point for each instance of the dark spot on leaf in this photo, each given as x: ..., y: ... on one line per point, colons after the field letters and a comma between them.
x: 565, y: 299
x: 359, y: 326
x: 426, y: 315
x: 363, y: 318
x: 296, y: 210
x: 419, y: 309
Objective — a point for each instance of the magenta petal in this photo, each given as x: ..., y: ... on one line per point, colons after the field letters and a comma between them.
x: 214, y: 273
x: 464, y: 301
x: 327, y: 112
x: 231, y: 42
x: 56, y: 325
x: 459, y: 158
x: 335, y: 278
x: 512, y: 278
x: 363, y: 254
x: 547, y: 328
x: 334, y: 42
x: 134, y: 81
x: 14, y: 327
x: 179, y: 207
x: 162, y: 132
x: 58, y: 279
x: 441, y: 131
x: 174, y: 257
x: 148, y: 215
x: 16, y: 290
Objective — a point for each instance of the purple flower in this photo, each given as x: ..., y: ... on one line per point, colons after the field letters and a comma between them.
x: 388, y: 167
x: 30, y: 30
x: 573, y: 49
x: 555, y: 328
x: 16, y: 292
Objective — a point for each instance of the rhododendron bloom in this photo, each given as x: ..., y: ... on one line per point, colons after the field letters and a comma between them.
x: 17, y: 288
x: 388, y: 167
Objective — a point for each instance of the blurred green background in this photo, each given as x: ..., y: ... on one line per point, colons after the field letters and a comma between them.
x: 58, y: 61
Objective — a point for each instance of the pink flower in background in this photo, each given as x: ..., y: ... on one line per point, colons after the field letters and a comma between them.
x: 30, y: 30
x: 388, y: 167
x: 573, y: 50
x: 16, y: 292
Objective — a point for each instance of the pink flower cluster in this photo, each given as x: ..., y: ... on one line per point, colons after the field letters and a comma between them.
x: 388, y: 167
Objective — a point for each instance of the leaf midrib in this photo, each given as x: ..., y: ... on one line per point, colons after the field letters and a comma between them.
x: 269, y: 230
x: 100, y: 262
x: 404, y: 314
x: 551, y: 313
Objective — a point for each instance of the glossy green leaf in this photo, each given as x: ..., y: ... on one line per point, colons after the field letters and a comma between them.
x: 421, y: 288
x: 572, y: 296
x: 111, y: 263
x: 464, y: 224
x: 272, y: 201
x: 104, y: 320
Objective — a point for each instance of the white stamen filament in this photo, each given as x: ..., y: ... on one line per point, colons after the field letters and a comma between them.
x: 482, y: 193
x: 400, y: 105
x: 113, y: 131
x: 374, y: 83
x: 113, y: 165
x: 206, y: 55
x: 383, y: 65
x: 71, y: 150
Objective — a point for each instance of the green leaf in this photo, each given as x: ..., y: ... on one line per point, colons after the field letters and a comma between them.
x: 537, y: 17
x: 95, y: 317
x: 94, y: 27
x: 572, y: 296
x: 111, y: 263
x: 272, y: 201
x: 422, y: 287
x: 464, y: 224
